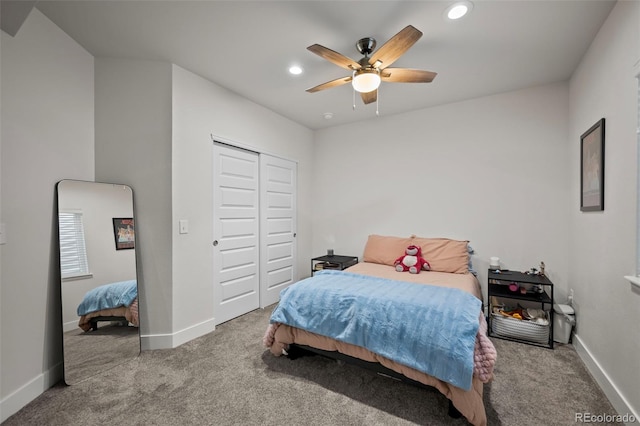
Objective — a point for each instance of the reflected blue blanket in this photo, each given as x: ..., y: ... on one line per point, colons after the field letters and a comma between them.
x: 108, y: 296
x: 429, y: 328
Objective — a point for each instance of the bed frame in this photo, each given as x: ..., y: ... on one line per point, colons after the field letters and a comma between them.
x: 94, y: 321
x: 297, y: 351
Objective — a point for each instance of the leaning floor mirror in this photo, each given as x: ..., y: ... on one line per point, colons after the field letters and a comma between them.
x: 96, y: 230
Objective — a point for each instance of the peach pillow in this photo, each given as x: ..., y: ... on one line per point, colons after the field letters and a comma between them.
x: 384, y: 250
x: 443, y: 254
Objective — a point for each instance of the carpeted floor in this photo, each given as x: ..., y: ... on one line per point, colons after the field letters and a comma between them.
x: 89, y: 353
x: 229, y: 378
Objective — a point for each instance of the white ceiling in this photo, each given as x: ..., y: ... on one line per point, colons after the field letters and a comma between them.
x: 247, y: 46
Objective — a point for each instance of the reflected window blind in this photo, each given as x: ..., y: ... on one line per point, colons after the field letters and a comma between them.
x: 73, y: 251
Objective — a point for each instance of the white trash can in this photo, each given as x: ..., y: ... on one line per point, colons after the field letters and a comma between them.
x: 563, y: 321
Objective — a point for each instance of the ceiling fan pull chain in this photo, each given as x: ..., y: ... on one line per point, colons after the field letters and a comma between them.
x: 377, y: 102
x: 354, y: 99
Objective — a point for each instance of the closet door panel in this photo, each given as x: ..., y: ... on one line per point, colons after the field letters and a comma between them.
x: 277, y: 227
x: 236, y: 237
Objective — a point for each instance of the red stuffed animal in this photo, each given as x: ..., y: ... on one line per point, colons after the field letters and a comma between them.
x: 412, y: 261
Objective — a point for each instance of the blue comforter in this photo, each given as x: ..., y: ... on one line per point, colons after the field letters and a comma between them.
x: 108, y: 296
x: 429, y: 328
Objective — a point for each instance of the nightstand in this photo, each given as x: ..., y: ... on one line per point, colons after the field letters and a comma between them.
x: 335, y: 262
x: 512, y: 287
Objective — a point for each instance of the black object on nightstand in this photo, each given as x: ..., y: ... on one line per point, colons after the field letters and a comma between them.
x: 335, y: 262
x: 506, y: 286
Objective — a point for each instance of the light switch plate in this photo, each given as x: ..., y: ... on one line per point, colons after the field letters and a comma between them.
x: 184, y: 226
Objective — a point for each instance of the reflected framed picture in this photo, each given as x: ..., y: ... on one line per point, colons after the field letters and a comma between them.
x: 124, y: 233
x: 592, y: 168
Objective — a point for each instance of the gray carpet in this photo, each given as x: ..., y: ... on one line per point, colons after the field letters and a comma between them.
x: 89, y: 353
x: 229, y: 378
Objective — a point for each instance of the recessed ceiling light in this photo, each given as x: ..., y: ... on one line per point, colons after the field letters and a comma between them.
x: 295, y: 70
x: 328, y: 115
x: 458, y: 10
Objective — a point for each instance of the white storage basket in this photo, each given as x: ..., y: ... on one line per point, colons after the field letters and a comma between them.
x: 519, y: 329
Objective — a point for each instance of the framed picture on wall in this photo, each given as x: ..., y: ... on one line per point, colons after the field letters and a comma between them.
x: 592, y: 168
x: 124, y: 233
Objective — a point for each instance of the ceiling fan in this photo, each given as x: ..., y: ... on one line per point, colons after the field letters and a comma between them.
x: 368, y: 72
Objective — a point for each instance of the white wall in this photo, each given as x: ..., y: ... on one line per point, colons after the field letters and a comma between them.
x: 490, y: 170
x: 200, y: 109
x: 153, y: 132
x: 602, y: 244
x: 133, y: 147
x: 47, y: 135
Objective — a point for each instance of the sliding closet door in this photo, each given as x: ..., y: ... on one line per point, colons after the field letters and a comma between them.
x: 278, y: 227
x: 235, y: 232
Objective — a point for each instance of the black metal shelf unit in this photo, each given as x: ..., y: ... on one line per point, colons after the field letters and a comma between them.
x: 498, y: 287
x: 336, y: 262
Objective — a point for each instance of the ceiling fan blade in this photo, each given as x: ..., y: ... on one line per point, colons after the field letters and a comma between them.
x: 395, y: 47
x: 369, y: 97
x: 329, y: 84
x: 407, y: 75
x: 335, y: 57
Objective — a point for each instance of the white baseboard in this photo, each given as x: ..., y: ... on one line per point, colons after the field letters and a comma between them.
x: 70, y: 326
x: 609, y: 388
x: 173, y: 340
x: 30, y: 391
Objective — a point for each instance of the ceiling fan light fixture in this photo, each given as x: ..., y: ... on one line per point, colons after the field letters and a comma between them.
x: 458, y: 10
x: 365, y: 80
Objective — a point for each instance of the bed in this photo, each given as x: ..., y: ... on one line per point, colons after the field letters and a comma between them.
x: 374, y: 314
x: 114, y: 302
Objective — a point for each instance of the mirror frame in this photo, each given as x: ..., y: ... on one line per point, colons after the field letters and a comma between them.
x: 84, y: 362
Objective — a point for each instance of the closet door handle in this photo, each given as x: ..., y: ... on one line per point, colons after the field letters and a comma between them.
x: 215, y: 243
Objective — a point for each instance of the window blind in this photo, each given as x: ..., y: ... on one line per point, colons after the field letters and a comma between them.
x: 73, y: 251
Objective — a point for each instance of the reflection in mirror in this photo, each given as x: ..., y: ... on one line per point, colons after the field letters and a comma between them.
x: 98, y: 277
